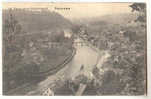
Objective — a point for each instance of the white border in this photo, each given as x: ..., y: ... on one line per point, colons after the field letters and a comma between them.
x: 88, y: 97
x: 74, y: 0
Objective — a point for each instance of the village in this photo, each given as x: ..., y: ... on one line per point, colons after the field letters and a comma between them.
x: 48, y: 53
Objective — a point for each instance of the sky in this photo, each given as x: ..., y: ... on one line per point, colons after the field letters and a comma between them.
x: 77, y: 10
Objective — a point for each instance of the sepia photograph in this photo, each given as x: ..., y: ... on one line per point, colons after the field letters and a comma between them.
x: 74, y: 49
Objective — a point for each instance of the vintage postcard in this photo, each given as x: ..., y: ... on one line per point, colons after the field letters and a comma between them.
x: 74, y: 49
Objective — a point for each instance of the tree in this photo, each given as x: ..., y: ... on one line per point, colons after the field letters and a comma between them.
x: 76, y: 29
x: 11, y: 51
x: 141, y: 8
x: 11, y: 28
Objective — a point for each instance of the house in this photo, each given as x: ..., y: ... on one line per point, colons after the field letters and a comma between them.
x: 67, y: 33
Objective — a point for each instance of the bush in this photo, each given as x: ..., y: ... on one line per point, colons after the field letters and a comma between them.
x: 111, y: 84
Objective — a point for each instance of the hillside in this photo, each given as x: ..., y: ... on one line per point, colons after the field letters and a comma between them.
x: 29, y: 48
x: 38, y: 20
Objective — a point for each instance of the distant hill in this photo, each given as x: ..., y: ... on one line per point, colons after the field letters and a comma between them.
x: 112, y: 22
x: 117, y: 18
x: 107, y: 19
x: 33, y: 21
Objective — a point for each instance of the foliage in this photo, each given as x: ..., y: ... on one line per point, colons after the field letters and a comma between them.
x: 111, y: 84
x: 141, y: 8
x: 12, y: 51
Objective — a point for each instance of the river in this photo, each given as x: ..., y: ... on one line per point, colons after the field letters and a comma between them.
x: 85, y: 56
